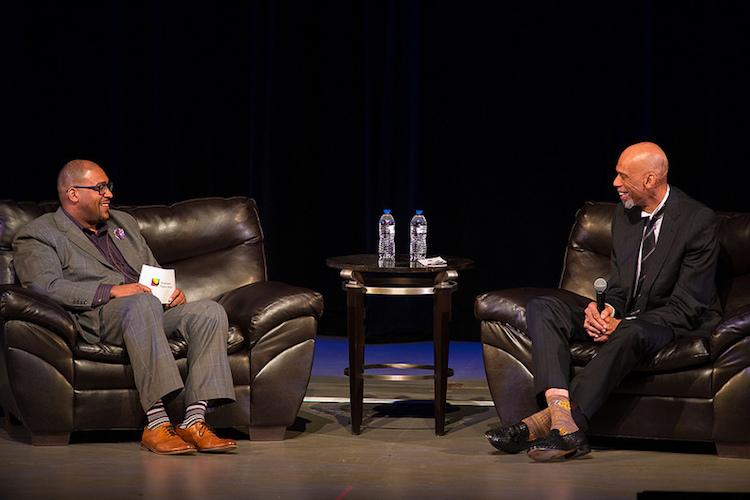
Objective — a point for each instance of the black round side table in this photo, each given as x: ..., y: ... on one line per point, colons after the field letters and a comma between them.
x: 365, y: 275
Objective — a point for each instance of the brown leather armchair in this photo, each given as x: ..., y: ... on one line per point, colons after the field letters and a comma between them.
x: 695, y: 389
x: 54, y: 383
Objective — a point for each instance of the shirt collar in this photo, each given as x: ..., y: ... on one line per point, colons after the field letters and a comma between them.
x: 658, y: 207
x: 101, y: 228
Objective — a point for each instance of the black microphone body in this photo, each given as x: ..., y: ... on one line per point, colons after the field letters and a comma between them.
x: 600, y: 286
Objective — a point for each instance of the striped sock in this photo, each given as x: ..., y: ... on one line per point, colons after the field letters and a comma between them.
x: 195, y: 412
x: 156, y: 415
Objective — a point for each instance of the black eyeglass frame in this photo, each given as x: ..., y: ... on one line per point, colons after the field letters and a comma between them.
x: 100, y: 188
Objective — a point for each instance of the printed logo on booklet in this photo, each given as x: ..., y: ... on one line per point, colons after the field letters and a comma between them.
x: 160, y: 281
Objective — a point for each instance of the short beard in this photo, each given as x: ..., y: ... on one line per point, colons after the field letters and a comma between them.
x: 628, y: 204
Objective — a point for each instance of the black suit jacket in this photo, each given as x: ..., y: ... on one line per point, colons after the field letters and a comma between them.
x: 681, y: 291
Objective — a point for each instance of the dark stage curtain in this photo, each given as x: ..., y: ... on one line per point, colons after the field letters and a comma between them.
x: 498, y: 119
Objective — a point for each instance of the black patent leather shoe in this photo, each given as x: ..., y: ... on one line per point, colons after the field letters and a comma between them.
x: 509, y: 438
x: 556, y: 447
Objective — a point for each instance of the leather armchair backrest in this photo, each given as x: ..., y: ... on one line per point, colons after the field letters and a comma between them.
x: 733, y: 275
x: 13, y: 215
x: 590, y: 245
x: 214, y: 244
x: 589, y: 248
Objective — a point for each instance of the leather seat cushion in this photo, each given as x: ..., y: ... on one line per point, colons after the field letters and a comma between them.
x: 98, y: 376
x: 682, y: 353
x: 104, y: 352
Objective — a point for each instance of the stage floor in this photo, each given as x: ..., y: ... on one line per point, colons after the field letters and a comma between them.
x: 396, y: 456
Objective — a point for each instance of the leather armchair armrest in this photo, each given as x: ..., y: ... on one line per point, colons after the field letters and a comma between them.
x: 730, y: 331
x: 509, y: 306
x: 21, y: 304
x: 259, y: 307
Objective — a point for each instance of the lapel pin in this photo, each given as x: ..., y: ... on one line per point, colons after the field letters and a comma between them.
x: 120, y: 233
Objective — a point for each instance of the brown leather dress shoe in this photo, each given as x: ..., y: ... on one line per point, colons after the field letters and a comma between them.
x: 164, y: 441
x: 203, y: 437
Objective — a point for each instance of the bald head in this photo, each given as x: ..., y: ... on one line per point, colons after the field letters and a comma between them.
x: 642, y: 176
x: 73, y: 173
x: 648, y: 157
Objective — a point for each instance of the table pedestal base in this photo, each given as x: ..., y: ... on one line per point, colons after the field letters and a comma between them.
x: 441, y: 288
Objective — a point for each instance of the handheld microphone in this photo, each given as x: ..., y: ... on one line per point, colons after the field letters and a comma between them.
x: 600, y: 286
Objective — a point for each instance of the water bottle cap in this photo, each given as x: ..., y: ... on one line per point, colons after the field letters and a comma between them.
x: 419, y: 212
x: 386, y: 210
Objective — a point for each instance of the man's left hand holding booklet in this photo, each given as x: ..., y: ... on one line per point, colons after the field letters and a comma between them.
x: 160, y: 281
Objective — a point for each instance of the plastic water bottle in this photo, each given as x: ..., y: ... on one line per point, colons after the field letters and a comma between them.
x: 387, y: 238
x: 417, y: 237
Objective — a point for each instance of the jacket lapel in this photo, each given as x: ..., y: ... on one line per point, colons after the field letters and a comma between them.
x: 76, y: 236
x: 124, y: 244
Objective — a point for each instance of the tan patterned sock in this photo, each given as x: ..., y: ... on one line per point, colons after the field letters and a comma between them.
x: 562, y: 418
x: 539, y: 424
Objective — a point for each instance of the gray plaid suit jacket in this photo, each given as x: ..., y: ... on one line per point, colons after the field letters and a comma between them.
x: 53, y: 257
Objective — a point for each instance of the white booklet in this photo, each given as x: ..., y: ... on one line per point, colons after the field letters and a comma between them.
x: 160, y: 281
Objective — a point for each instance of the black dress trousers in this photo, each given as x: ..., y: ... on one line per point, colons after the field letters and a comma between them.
x: 553, y: 324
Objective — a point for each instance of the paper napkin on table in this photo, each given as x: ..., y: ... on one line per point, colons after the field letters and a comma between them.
x: 433, y: 262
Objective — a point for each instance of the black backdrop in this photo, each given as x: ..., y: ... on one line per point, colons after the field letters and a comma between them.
x: 499, y: 119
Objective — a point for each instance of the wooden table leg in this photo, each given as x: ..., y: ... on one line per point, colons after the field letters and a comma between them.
x: 355, y: 298
x: 441, y: 337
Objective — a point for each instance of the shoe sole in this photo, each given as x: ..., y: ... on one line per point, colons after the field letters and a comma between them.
x: 510, y: 451
x: 221, y: 449
x: 548, y: 455
x: 178, y: 452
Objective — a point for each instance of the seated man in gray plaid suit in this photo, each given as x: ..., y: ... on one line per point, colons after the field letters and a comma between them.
x: 87, y: 258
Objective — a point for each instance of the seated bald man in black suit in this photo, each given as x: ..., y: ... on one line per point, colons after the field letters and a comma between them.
x: 661, y: 285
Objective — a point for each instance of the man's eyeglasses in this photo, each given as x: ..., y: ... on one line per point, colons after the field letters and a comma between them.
x: 100, y: 188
